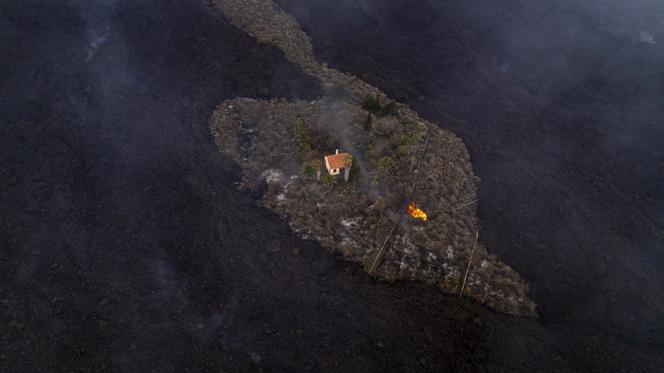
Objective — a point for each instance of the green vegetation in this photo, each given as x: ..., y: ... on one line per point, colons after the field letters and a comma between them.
x: 401, y: 150
x: 328, y: 180
x: 355, y: 171
x: 406, y: 140
x: 386, y: 165
x: 372, y: 105
x: 302, y: 136
x: 310, y: 168
x: 317, y: 164
x: 402, y: 146
x: 389, y: 109
x: 349, y: 159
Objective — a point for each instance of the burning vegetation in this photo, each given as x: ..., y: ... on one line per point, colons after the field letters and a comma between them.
x: 413, y: 211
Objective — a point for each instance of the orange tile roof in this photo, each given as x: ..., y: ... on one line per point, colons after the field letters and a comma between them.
x: 340, y: 160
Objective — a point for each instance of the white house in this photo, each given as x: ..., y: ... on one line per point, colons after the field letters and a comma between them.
x: 337, y: 162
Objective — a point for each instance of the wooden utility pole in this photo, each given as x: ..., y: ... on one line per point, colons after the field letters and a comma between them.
x: 379, y: 255
x: 477, y: 234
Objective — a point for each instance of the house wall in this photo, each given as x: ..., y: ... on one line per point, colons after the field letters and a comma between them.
x: 331, y: 171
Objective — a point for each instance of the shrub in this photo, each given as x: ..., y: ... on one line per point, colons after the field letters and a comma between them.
x: 386, y: 164
x: 317, y: 164
x: 355, y: 171
x: 406, y: 139
x: 402, y: 146
x: 389, y: 109
x: 328, y: 180
x: 372, y: 105
x: 401, y: 150
x: 308, y: 170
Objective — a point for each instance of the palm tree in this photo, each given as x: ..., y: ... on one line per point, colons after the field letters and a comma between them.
x: 328, y: 180
x: 386, y: 165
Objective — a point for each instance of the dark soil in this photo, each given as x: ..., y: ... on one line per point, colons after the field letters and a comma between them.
x: 125, y: 243
x: 561, y: 111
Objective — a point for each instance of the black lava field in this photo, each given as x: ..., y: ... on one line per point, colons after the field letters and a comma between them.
x: 126, y: 245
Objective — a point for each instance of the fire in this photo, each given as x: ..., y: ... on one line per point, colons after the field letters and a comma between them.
x: 415, y: 212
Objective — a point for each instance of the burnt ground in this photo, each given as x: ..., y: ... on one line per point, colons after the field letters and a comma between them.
x: 560, y: 105
x: 125, y: 243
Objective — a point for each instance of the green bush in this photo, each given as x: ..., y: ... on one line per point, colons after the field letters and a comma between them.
x: 308, y: 170
x: 389, y: 109
x: 386, y: 164
x: 317, y: 164
x: 402, y: 146
x: 401, y: 150
x: 407, y: 139
x: 355, y: 171
x: 372, y: 105
x: 328, y: 180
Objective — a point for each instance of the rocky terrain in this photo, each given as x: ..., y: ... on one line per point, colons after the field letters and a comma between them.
x: 397, y: 159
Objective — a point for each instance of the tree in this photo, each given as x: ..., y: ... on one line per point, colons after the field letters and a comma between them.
x: 328, y: 180
x: 355, y: 171
x: 386, y: 165
x: 402, y: 146
x: 308, y: 169
x: 389, y: 109
x: 372, y: 104
x: 302, y: 136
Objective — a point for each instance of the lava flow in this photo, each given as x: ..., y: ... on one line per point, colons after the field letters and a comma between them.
x: 415, y: 212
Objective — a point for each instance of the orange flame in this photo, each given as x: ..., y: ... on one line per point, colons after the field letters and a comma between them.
x: 415, y: 212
